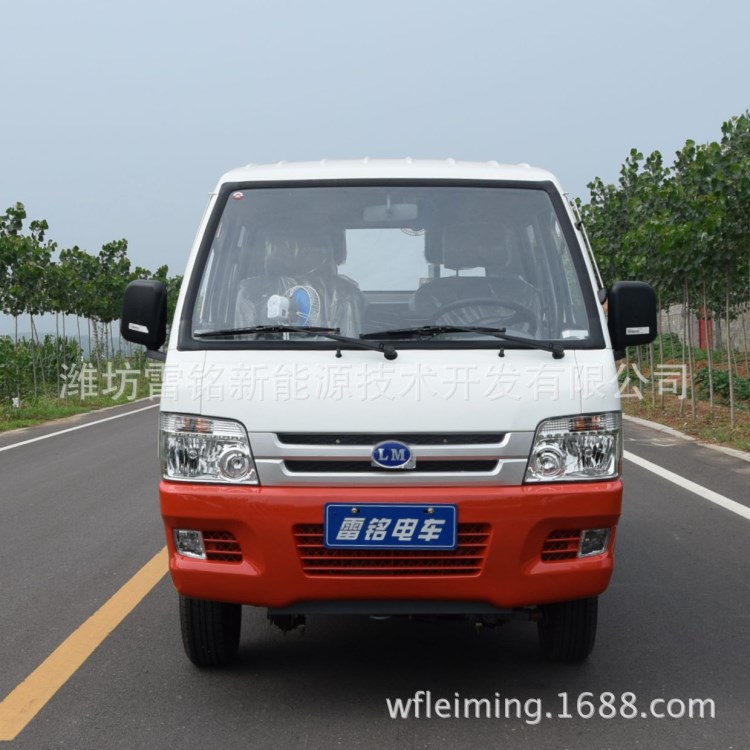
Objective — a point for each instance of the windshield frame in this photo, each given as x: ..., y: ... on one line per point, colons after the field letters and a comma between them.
x: 187, y: 342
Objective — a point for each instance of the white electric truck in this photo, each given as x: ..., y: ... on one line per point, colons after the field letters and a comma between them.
x: 390, y: 389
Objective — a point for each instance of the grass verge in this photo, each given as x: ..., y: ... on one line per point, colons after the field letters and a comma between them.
x: 714, y: 429
x: 47, y: 409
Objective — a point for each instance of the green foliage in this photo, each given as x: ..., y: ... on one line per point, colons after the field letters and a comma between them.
x: 111, y: 276
x: 670, y: 344
x: 721, y: 385
x: 671, y: 348
x: 17, y: 362
x: 173, y: 285
x: 77, y: 283
x: 683, y: 228
x: 24, y: 261
x: 33, y: 282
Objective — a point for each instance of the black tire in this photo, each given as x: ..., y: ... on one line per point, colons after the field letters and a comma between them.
x: 210, y: 631
x: 567, y: 630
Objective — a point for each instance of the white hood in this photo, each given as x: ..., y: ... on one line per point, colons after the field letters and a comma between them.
x: 422, y: 390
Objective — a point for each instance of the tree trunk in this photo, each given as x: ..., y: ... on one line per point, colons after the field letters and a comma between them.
x: 40, y: 349
x: 732, y: 415
x: 661, y: 352
x: 18, y: 374
x: 97, y: 353
x: 683, y: 349
x: 639, y: 358
x: 57, y: 355
x: 33, y: 360
x: 691, y: 355
x: 709, y: 356
x: 653, y: 374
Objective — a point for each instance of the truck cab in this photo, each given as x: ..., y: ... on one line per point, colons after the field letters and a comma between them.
x: 390, y: 390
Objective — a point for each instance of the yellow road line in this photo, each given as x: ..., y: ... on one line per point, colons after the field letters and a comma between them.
x: 28, y: 699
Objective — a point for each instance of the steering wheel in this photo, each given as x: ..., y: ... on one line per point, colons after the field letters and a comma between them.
x: 519, y: 314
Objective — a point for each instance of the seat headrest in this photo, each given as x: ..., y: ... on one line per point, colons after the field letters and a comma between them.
x: 290, y: 253
x: 475, y: 246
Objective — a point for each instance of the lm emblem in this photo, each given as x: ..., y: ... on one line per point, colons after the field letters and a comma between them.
x: 393, y: 454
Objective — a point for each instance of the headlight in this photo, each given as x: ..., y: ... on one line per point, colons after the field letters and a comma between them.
x: 576, y: 448
x: 198, y: 449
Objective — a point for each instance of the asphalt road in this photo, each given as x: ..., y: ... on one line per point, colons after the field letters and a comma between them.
x: 80, y: 518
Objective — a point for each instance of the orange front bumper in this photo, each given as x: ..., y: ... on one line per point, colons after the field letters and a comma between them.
x: 267, y: 523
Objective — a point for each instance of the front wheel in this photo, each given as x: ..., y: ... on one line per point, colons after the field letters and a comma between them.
x: 567, y: 630
x: 210, y: 631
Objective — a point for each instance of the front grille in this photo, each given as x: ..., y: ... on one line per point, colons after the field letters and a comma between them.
x: 410, y: 438
x: 424, y: 466
x: 562, y: 544
x: 222, y: 546
x: 466, y: 560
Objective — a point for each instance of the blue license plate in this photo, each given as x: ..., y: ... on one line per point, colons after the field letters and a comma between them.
x: 390, y: 526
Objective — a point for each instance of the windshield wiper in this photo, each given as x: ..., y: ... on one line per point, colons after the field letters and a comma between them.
x: 388, y: 350
x: 499, y: 333
x: 262, y: 329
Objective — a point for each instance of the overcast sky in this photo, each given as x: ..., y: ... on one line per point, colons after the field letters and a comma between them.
x: 117, y: 118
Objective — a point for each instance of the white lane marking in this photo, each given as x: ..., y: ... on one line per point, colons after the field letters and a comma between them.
x: 78, y: 427
x: 686, y: 484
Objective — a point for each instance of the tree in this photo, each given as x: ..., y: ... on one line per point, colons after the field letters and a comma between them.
x: 684, y: 228
x: 26, y: 259
x: 112, y: 276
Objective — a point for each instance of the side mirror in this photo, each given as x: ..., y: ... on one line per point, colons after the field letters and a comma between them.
x: 631, y: 316
x: 144, y: 314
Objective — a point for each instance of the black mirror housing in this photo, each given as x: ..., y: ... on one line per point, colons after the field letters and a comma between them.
x: 144, y: 313
x: 631, y: 314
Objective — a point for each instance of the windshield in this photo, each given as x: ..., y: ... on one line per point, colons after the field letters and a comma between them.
x: 369, y: 259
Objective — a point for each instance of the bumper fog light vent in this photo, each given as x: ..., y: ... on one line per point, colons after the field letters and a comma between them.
x: 190, y: 543
x: 562, y: 544
x: 594, y: 542
x: 222, y: 546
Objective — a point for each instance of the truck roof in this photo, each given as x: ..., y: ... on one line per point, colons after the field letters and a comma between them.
x: 408, y: 168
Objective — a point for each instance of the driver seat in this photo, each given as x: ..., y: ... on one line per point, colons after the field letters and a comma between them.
x: 484, y: 247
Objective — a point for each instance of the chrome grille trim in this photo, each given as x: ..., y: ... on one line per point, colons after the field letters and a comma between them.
x: 410, y: 438
x: 424, y: 466
x: 510, y: 455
